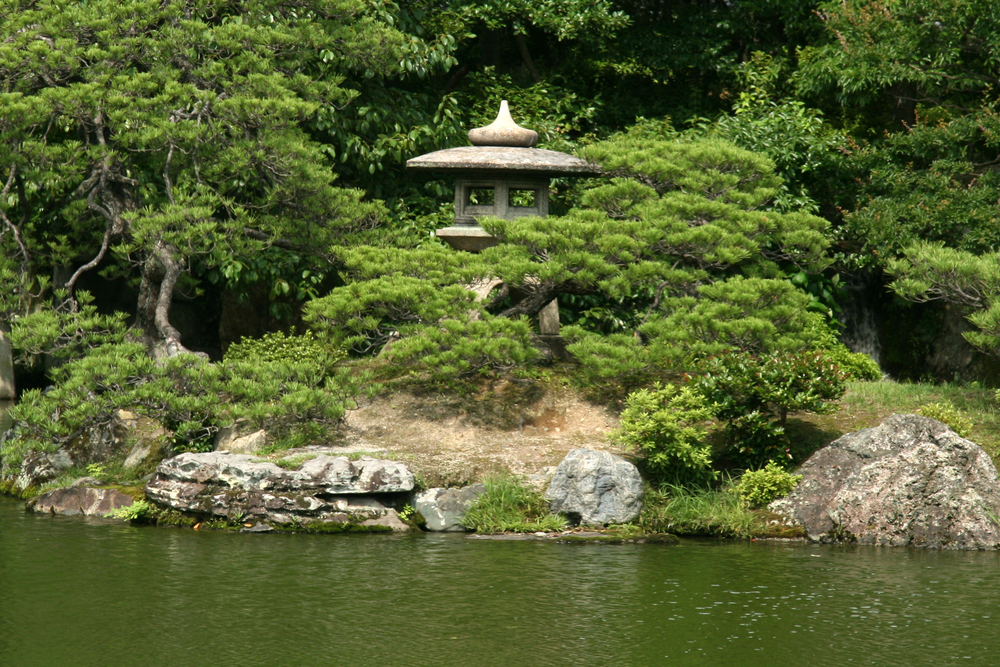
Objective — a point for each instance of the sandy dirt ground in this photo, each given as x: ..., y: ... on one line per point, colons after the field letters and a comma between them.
x: 523, y: 427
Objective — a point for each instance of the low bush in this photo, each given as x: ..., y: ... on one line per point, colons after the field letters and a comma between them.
x: 855, y: 365
x: 279, y: 347
x: 140, y: 509
x: 757, y: 488
x: 754, y: 394
x: 507, y: 505
x: 947, y: 413
x: 663, y: 423
x: 286, y: 384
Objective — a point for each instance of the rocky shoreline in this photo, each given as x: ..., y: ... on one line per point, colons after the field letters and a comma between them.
x: 911, y: 481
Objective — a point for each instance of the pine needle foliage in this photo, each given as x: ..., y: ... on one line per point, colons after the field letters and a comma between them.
x: 293, y: 389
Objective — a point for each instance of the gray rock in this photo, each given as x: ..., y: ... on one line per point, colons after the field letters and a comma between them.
x: 248, y: 444
x: 239, y: 487
x: 444, y: 509
x: 909, y: 481
x: 40, y: 467
x: 142, y: 441
x: 87, y: 481
x: 138, y: 454
x: 240, y: 438
x: 596, y: 488
x: 390, y: 519
x: 76, y: 500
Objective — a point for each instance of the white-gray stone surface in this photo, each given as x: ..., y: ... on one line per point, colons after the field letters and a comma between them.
x: 444, y: 509
x: 76, y: 500
x: 240, y: 487
x: 596, y: 488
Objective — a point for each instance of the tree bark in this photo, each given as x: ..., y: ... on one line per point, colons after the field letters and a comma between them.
x: 156, y: 293
x: 7, y: 388
x: 522, y: 46
x: 534, y: 302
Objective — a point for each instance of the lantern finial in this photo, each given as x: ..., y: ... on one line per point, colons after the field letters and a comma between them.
x: 503, y: 132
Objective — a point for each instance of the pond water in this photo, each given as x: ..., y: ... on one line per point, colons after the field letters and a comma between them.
x: 89, y: 592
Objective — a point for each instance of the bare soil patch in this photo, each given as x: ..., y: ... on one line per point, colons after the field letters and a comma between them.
x: 521, y: 426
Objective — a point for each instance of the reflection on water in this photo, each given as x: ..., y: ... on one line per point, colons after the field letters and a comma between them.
x: 83, y: 593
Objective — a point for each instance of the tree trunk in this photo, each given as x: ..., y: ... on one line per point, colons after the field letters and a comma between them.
x: 904, y: 113
x: 522, y: 46
x: 156, y: 293
x: 7, y: 388
x: 533, y: 303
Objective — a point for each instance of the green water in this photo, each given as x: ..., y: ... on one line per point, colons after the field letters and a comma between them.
x: 79, y: 592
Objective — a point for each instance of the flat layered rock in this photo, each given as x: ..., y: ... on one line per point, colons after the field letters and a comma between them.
x: 239, y: 487
x: 79, y: 500
x: 910, y: 481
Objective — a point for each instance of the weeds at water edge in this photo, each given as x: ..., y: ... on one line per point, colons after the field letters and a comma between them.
x: 508, y: 506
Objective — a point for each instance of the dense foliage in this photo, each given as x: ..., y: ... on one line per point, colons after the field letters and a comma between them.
x: 757, y: 488
x: 753, y: 395
x: 758, y: 156
x: 666, y: 425
x: 286, y: 384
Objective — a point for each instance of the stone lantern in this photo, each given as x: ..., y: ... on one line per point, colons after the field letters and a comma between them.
x: 500, y: 175
x: 504, y: 176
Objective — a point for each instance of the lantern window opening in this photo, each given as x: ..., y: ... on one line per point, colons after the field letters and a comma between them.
x: 522, y: 198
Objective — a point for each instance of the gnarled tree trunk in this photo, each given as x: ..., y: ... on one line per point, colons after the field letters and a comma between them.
x: 156, y: 293
x: 7, y: 388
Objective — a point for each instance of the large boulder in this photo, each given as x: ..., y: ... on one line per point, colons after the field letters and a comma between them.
x: 910, y: 481
x: 240, y: 438
x: 596, y: 488
x: 444, y: 509
x: 240, y: 487
x: 76, y: 500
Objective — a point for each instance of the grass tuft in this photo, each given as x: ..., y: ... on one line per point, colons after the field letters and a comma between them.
x: 508, y: 506
x: 685, y: 511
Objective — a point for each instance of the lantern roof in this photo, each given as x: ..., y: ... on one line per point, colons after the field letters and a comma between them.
x: 506, y: 147
x: 504, y: 159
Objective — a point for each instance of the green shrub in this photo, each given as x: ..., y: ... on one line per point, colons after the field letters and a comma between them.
x: 97, y: 470
x: 279, y: 347
x: 663, y: 423
x: 140, y: 509
x: 754, y: 394
x: 757, y: 488
x: 287, y: 385
x: 507, y: 505
x: 855, y: 365
x: 947, y: 413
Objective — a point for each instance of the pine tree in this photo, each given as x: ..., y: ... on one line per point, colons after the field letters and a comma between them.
x: 687, y: 224
x: 165, y: 133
